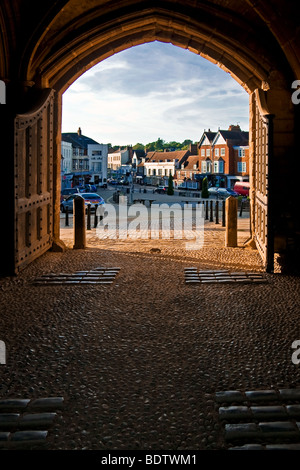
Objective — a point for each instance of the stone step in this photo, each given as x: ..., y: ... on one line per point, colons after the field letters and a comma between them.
x: 236, y: 396
x: 259, y: 412
x: 260, y: 419
x: 262, y: 430
x: 24, y: 423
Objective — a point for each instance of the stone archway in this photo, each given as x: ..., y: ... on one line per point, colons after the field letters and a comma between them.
x: 50, y: 47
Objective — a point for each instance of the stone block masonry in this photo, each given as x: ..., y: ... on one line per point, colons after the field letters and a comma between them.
x: 260, y: 419
x: 25, y: 423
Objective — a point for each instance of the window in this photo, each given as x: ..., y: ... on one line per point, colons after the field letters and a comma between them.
x: 206, y: 166
x: 96, y: 152
x: 242, y: 167
x: 219, y: 167
x: 202, y: 152
x: 222, y: 152
x: 216, y: 152
x: 241, y: 152
x: 208, y: 152
x: 97, y: 166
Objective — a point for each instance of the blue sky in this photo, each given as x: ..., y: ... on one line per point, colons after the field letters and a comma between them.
x: 150, y: 91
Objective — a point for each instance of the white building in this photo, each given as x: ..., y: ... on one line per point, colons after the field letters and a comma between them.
x: 118, y: 158
x: 89, y: 158
x: 66, y: 157
x: 159, y: 165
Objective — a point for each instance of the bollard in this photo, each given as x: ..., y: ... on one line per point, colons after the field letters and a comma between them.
x: 223, y: 214
x: 79, y: 223
x: 206, y: 210
x: 211, y: 212
x: 89, y: 217
x: 96, y: 217
x: 241, y: 209
x: 217, y: 212
x: 231, y: 225
x: 67, y: 217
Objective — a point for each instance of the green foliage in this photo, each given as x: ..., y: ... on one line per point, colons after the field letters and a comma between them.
x: 170, y: 190
x: 138, y: 146
x: 205, y: 193
x: 158, y: 146
x: 161, y: 145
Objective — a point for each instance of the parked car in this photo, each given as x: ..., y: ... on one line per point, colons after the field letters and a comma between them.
x: 226, y: 192
x: 65, y: 193
x: 89, y: 198
x: 213, y: 191
x: 161, y: 189
x: 221, y: 193
x: 242, y: 188
x: 89, y: 188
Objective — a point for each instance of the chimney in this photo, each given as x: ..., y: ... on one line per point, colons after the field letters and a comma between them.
x: 234, y: 128
x: 193, y: 149
x: 79, y: 131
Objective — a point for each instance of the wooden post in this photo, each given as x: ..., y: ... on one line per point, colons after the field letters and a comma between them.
x: 79, y: 223
x: 231, y: 225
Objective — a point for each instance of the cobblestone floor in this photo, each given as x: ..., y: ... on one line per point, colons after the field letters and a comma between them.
x: 138, y: 363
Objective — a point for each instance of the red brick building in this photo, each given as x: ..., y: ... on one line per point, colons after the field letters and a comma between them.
x: 224, y: 156
x: 186, y: 175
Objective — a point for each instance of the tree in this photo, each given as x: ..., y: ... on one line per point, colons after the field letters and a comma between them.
x: 150, y: 147
x: 138, y: 146
x: 205, y: 193
x: 170, y: 190
x: 186, y: 142
x: 159, y: 144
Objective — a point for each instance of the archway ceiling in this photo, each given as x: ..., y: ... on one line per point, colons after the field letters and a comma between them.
x: 61, y: 39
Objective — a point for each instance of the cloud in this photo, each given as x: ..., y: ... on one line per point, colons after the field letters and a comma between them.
x: 153, y: 90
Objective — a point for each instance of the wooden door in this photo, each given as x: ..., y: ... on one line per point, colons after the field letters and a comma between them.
x: 33, y: 181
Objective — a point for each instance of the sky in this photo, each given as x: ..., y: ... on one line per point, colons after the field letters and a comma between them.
x: 155, y: 90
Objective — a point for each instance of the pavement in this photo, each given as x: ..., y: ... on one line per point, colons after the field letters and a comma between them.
x: 147, y: 361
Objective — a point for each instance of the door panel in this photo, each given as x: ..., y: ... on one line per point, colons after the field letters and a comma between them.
x: 34, y: 181
x: 263, y: 153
